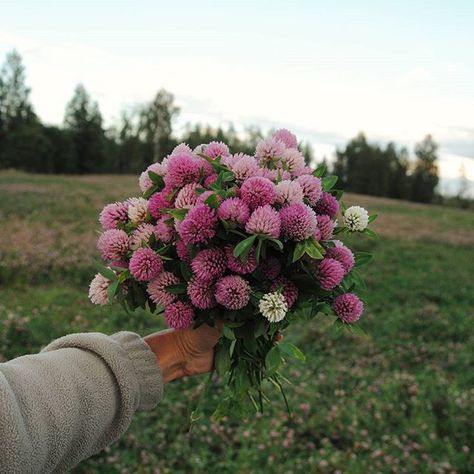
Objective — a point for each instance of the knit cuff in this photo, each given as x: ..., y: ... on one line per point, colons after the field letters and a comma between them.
x: 149, y: 377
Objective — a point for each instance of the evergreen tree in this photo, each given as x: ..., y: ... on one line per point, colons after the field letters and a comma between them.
x: 424, y: 178
x: 83, y: 121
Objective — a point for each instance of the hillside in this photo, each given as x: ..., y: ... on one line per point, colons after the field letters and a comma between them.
x: 396, y: 400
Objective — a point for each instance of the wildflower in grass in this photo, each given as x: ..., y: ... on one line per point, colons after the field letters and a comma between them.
x: 356, y: 218
x: 273, y: 306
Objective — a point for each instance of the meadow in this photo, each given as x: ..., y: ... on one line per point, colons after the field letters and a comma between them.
x: 399, y: 399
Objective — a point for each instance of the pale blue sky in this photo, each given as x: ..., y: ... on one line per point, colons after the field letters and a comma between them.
x: 397, y: 70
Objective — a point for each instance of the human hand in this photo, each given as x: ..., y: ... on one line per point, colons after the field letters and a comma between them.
x: 186, y: 352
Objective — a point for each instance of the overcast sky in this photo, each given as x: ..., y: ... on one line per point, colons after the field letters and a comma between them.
x: 326, y: 70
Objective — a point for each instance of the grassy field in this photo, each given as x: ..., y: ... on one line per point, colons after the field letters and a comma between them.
x: 398, y: 400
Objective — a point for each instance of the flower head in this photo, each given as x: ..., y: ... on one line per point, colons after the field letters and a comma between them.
x: 183, y: 168
x: 145, y: 181
x: 330, y: 273
x: 326, y: 227
x: 257, y: 191
x: 348, y: 307
x: 141, y: 235
x: 179, y: 315
x: 181, y: 148
x: 182, y: 251
x: 158, y: 202
x: 114, y: 214
x: 164, y: 232
x: 269, y: 148
x: 288, y: 289
x: 113, y: 244
x: 215, y: 149
x: 201, y: 294
x: 157, y: 288
x: 209, y: 264
x: 327, y: 205
x: 264, y: 220
x: 292, y: 160
x: 298, y: 221
x: 187, y: 196
x: 211, y: 179
x: 234, y: 210
x: 98, y: 290
x: 273, y: 306
x: 232, y: 292
x: 311, y: 187
x: 288, y: 138
x: 238, y: 266
x: 137, y: 209
x: 342, y: 254
x: 244, y: 166
x: 145, y: 264
x: 199, y: 225
x: 288, y: 192
x: 356, y: 218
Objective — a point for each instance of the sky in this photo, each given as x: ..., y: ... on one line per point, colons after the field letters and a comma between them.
x: 396, y: 70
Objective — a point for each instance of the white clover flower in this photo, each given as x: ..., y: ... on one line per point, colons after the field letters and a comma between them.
x: 98, y: 290
x: 356, y: 218
x: 273, y: 306
x: 137, y: 210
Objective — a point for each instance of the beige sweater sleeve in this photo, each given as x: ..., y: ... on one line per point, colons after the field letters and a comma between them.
x: 73, y: 399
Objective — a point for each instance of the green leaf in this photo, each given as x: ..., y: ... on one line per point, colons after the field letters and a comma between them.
x: 232, y: 347
x: 156, y: 178
x: 227, y: 176
x: 277, y: 242
x: 151, y: 190
x: 358, y: 280
x: 244, y: 246
x: 272, y: 361
x: 186, y: 271
x: 372, y: 218
x: 329, y: 182
x: 370, y: 233
x: 112, y: 289
x: 105, y: 271
x: 222, y: 359
x: 176, y: 289
x: 299, y: 251
x: 292, y: 351
x: 228, y: 333
x: 362, y: 258
x: 320, y: 170
x: 312, y: 249
x: 179, y: 214
x: 260, y: 328
x: 212, y: 201
x: 356, y: 329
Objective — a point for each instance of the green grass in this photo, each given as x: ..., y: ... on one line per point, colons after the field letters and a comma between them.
x: 397, y: 400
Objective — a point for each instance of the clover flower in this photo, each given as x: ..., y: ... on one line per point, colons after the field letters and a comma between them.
x: 288, y: 289
x: 199, y: 225
x: 209, y: 264
x: 141, y: 235
x: 298, y: 221
x: 114, y: 214
x: 348, y: 307
x: 179, y: 315
x: 145, y: 264
x: 137, y: 209
x: 330, y: 273
x: 113, y: 244
x: 257, y: 191
x: 288, y: 192
x: 234, y: 210
x: 201, y: 294
x: 156, y: 288
x: 273, y: 306
x: 264, y: 220
x: 311, y: 186
x: 356, y: 218
x: 232, y: 292
x: 235, y: 264
x: 98, y: 290
x: 327, y: 205
x: 288, y: 138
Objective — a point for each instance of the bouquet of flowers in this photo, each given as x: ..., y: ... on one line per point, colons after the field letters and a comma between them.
x: 250, y: 241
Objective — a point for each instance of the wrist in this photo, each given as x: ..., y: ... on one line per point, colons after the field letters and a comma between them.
x: 166, y: 346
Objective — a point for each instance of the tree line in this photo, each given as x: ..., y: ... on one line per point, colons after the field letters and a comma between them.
x: 145, y: 134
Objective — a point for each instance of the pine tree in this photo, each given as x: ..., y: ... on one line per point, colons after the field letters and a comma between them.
x: 424, y: 178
